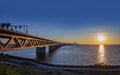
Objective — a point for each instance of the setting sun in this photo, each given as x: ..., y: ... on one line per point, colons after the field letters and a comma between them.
x: 101, y: 38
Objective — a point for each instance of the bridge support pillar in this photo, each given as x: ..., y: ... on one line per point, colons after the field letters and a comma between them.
x: 41, y: 53
x: 52, y: 48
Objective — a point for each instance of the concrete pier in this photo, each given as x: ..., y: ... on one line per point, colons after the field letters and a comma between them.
x: 43, y: 52
x: 52, y: 48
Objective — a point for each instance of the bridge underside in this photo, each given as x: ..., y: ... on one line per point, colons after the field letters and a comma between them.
x: 10, y: 40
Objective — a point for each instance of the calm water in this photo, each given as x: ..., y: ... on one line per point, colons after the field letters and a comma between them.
x: 78, y: 55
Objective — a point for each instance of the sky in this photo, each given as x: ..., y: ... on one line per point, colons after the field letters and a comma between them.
x: 78, y: 21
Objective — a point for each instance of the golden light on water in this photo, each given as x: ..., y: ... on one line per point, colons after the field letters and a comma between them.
x: 101, y: 55
x: 101, y: 38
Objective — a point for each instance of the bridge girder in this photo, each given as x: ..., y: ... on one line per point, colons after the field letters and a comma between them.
x: 18, y: 41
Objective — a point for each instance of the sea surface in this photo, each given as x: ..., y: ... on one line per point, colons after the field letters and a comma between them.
x: 77, y: 55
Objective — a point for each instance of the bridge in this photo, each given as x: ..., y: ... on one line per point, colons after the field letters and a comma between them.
x: 13, y: 40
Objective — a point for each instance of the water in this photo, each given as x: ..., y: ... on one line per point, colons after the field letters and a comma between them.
x: 78, y: 55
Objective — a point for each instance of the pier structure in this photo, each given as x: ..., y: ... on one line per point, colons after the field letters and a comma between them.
x: 13, y: 40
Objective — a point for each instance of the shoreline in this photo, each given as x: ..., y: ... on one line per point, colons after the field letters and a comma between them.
x: 96, y: 66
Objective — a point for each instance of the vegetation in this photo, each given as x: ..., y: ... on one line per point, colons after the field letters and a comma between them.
x: 50, y: 71
x: 6, y: 69
x: 81, y: 70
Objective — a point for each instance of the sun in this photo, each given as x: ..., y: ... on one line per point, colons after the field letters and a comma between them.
x: 101, y: 38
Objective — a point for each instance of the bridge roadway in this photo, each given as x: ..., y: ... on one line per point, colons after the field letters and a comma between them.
x: 13, y: 40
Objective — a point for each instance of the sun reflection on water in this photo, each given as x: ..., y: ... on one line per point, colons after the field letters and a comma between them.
x: 101, y: 55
